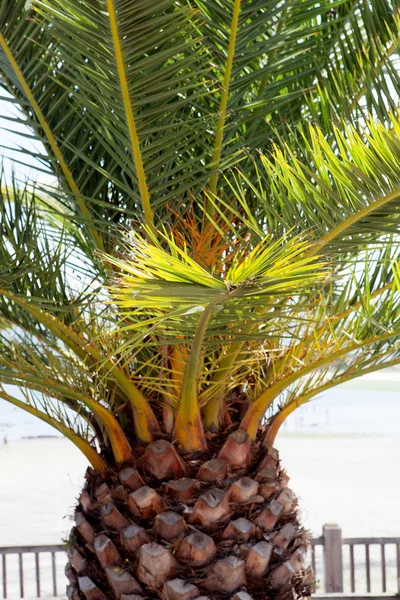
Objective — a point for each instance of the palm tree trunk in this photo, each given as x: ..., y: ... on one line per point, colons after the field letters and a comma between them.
x: 180, y: 528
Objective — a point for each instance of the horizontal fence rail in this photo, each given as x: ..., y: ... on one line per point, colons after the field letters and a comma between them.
x: 344, y: 568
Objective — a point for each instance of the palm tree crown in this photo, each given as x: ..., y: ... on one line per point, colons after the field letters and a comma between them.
x: 221, y: 242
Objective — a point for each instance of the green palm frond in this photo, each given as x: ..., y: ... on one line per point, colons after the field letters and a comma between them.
x: 128, y: 92
x: 135, y: 108
x: 42, y: 256
x: 362, y: 68
x: 224, y: 218
x: 301, y: 60
x: 351, y: 336
x: 347, y: 194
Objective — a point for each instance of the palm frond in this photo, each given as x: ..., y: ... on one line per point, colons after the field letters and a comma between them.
x: 346, y: 195
x: 300, y: 60
x: 144, y: 68
x: 167, y: 289
x: 41, y: 257
x: 351, y: 337
x: 213, y: 286
x: 58, y: 421
x: 132, y: 110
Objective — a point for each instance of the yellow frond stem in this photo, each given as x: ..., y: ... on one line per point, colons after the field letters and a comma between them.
x: 213, y: 411
x: 216, y: 158
x: 278, y: 419
x: 188, y: 425
x: 146, y: 424
x: 354, y: 218
x: 178, y: 361
x: 137, y: 156
x: 120, y: 446
x: 90, y: 453
x: 189, y: 432
x: 52, y: 143
x: 258, y: 409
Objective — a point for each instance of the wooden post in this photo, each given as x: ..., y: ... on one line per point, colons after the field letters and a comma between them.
x: 333, y: 560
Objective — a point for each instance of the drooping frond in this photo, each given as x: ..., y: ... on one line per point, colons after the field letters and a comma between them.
x: 61, y: 421
x: 42, y: 257
x: 352, y: 336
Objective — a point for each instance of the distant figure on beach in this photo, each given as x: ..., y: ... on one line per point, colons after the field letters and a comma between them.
x: 5, y: 441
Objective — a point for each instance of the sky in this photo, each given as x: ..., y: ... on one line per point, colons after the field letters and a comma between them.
x: 14, y: 136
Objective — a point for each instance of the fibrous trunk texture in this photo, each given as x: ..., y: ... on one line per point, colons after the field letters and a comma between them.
x: 181, y: 528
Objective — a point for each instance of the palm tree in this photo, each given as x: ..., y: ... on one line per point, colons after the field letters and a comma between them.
x: 216, y: 246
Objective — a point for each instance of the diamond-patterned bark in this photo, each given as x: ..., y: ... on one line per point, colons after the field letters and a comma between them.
x: 181, y: 528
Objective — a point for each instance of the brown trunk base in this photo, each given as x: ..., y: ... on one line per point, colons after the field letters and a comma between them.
x: 178, y: 529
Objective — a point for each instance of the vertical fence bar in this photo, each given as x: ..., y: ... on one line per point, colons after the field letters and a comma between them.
x: 37, y: 569
x: 54, y: 572
x: 4, y: 569
x: 313, y: 561
x: 21, y: 575
x: 333, y: 559
x: 398, y: 567
x: 368, y: 568
x: 383, y: 567
x: 352, y: 573
x: 17, y: 575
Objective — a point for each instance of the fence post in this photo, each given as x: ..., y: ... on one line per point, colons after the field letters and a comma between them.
x: 333, y: 560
